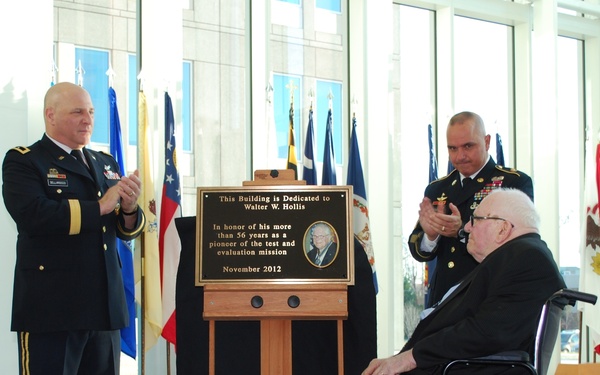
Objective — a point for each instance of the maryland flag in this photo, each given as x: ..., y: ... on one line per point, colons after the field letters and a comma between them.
x: 292, y: 162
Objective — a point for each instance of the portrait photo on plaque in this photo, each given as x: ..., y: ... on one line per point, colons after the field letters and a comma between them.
x: 321, y: 244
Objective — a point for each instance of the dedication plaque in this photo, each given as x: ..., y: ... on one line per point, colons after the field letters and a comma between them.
x: 300, y: 234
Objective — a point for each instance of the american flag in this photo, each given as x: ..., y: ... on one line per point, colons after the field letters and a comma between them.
x: 169, y: 243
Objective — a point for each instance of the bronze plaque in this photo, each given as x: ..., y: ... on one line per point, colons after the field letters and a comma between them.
x: 275, y: 234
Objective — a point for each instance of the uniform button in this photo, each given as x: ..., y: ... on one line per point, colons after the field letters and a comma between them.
x: 99, y: 193
x: 41, y: 268
x: 59, y: 191
x: 452, y: 249
x: 450, y: 264
x: 105, y: 247
x: 104, y: 229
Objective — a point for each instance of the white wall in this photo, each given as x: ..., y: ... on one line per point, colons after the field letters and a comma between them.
x: 23, y: 83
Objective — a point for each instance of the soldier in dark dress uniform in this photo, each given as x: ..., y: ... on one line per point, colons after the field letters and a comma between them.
x: 69, y: 299
x: 450, y: 201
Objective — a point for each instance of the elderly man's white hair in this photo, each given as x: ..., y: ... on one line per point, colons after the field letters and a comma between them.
x: 518, y: 208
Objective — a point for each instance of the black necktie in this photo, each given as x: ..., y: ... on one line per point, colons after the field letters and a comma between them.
x: 78, y: 154
x: 466, y: 182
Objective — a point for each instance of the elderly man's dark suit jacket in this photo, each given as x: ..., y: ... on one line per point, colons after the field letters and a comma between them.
x: 68, y: 271
x: 330, y: 254
x: 453, y: 260
x: 496, y: 308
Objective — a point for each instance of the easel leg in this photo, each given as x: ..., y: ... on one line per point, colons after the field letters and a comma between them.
x: 211, y: 347
x: 275, y: 347
x: 340, y: 343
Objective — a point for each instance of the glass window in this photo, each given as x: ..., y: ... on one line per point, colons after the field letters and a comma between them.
x: 186, y: 107
x: 92, y: 66
x: 215, y: 43
x: 283, y: 86
x: 483, y: 76
x: 414, y: 103
x: 328, y: 94
x: 570, y: 151
x: 314, y: 56
x: 132, y: 94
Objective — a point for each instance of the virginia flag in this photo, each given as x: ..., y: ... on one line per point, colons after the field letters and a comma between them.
x: 433, y: 175
x: 590, y: 254
x: 309, y: 171
x: 329, y: 157
x: 128, y: 334
x: 292, y: 163
x: 168, y: 238
x: 360, y: 207
x: 151, y: 306
x: 499, y: 151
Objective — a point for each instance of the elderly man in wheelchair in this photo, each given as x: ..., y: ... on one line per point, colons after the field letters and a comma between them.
x: 488, y: 323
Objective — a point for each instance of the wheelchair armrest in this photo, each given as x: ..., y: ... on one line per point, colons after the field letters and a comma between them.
x: 492, y: 363
x: 569, y: 297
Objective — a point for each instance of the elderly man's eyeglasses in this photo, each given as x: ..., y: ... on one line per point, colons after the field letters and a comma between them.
x: 319, y: 236
x: 473, y: 218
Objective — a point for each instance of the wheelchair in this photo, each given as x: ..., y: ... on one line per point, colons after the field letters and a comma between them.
x: 519, y: 362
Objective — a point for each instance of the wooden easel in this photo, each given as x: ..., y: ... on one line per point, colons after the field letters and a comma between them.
x: 275, y: 305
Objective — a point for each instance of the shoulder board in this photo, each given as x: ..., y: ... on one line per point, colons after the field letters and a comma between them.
x: 443, y: 178
x: 508, y: 170
x: 106, y: 153
x: 22, y: 149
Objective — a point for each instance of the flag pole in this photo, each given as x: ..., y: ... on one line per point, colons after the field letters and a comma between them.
x: 168, y: 358
x: 168, y: 346
x: 142, y: 309
x: 142, y: 323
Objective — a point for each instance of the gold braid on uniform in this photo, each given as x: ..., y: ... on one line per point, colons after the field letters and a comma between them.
x: 510, y: 170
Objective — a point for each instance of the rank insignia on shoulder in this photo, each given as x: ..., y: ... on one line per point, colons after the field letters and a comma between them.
x: 22, y: 149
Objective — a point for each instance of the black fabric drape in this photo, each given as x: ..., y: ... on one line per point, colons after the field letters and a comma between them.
x: 237, y: 343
